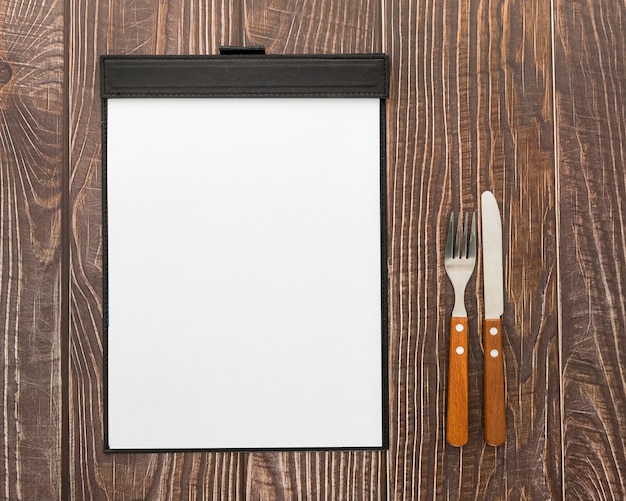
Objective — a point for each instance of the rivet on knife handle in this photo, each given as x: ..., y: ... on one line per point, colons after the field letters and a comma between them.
x: 493, y: 388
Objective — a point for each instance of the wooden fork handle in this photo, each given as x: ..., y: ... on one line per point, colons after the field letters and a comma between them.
x: 457, y: 417
x: 493, y: 389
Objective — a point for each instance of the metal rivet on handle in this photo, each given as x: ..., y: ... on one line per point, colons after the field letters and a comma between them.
x: 493, y: 331
x: 494, y: 353
x: 460, y: 350
x: 459, y: 327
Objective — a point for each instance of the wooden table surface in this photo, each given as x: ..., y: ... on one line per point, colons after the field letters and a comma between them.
x: 526, y: 98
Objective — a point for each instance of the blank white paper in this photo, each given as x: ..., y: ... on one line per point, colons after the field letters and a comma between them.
x: 244, y: 273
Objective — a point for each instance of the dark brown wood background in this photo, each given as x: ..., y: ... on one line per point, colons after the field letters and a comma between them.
x: 523, y: 97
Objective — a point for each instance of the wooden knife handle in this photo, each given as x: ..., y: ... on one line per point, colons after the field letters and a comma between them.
x: 457, y: 418
x: 494, y: 396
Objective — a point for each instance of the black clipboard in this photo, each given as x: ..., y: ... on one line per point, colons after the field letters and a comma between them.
x: 245, y: 269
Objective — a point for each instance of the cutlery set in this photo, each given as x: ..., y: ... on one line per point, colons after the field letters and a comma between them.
x: 460, y: 261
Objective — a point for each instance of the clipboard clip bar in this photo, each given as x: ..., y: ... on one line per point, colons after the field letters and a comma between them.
x: 251, y: 50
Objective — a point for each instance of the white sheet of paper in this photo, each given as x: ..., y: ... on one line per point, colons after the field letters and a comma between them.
x: 244, y: 280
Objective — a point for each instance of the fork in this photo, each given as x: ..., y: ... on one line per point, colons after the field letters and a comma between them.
x: 460, y: 259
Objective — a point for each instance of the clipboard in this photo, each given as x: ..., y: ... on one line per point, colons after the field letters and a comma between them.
x: 245, y: 268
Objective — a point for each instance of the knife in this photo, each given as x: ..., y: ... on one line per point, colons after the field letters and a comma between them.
x: 493, y: 389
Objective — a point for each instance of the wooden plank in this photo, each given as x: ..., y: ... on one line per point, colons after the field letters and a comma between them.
x: 142, y: 27
x: 31, y: 187
x: 293, y: 27
x: 471, y: 110
x: 590, y: 43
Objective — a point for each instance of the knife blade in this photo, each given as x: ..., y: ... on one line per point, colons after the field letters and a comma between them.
x: 493, y: 289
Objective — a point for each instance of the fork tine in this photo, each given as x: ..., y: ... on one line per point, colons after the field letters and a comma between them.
x: 466, y: 236
x: 471, y: 252
x: 457, y: 245
x: 450, y: 241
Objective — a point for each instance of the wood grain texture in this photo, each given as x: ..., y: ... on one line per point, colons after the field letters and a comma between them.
x: 316, y: 476
x: 591, y: 117
x: 471, y: 110
x: 314, y: 26
x: 31, y: 186
x: 141, y: 27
